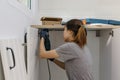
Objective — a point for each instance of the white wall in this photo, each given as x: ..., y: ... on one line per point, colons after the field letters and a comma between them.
x: 14, y: 18
x: 68, y: 8
x: 108, y: 9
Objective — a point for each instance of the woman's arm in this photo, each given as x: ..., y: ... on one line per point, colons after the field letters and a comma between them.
x: 50, y: 54
x: 59, y: 63
x: 46, y: 54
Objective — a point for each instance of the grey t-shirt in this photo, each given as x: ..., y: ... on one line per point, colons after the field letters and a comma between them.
x: 78, y: 61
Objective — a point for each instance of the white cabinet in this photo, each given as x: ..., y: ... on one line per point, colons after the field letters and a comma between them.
x: 33, y: 60
x: 13, y: 59
x: 116, y: 55
x: 110, y: 55
x: 1, y: 70
x: 105, y: 55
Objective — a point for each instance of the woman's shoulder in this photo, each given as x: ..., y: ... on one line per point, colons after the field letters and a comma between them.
x: 71, y: 44
x: 68, y: 45
x: 76, y: 46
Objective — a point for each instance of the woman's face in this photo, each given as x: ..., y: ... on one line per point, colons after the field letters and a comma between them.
x: 67, y: 34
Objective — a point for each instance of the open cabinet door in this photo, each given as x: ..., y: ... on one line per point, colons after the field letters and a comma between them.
x: 1, y: 70
x: 116, y: 55
x: 32, y: 54
x: 12, y: 59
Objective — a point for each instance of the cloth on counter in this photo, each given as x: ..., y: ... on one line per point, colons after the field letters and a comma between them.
x: 113, y: 22
x: 93, y: 20
x: 103, y: 21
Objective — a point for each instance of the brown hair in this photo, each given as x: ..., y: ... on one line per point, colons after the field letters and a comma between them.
x: 79, y: 31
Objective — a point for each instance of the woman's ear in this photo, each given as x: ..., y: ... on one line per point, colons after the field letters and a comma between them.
x: 71, y: 32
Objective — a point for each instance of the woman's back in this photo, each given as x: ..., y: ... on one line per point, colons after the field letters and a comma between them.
x: 78, y: 62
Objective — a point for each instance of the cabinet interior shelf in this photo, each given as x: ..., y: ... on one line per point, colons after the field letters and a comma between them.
x: 88, y: 27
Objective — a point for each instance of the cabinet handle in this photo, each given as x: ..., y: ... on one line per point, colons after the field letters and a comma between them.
x: 11, y: 67
x: 25, y: 50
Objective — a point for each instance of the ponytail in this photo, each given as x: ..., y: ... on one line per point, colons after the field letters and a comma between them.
x: 81, y: 37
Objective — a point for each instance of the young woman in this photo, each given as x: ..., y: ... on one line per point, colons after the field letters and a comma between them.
x: 73, y: 56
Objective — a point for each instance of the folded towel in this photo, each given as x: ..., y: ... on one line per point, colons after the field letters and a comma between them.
x: 92, y: 20
x: 114, y: 22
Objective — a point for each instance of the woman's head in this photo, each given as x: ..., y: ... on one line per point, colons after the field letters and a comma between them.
x: 75, y: 31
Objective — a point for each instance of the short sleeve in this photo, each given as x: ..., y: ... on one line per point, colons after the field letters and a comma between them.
x: 66, y: 52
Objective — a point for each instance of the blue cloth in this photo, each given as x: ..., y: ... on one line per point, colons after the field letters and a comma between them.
x: 93, y: 20
x: 114, y: 22
x: 103, y: 21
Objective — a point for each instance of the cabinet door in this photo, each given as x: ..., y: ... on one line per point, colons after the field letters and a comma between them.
x: 11, y: 55
x: 1, y: 70
x: 116, y: 55
x: 32, y: 54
